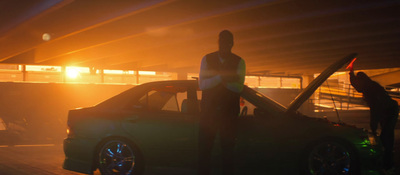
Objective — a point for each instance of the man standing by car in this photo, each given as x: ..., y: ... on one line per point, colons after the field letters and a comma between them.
x: 383, y: 110
x: 222, y: 75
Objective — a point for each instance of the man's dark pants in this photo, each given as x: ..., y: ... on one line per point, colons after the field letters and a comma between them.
x: 211, y: 123
x: 387, y: 134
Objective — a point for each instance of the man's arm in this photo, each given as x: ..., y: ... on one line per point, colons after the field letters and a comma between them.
x: 237, y: 85
x: 353, y: 81
x: 207, y: 79
x: 374, y: 120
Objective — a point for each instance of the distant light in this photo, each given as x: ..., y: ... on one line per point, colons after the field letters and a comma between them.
x: 72, y: 72
x: 119, y: 72
x: 147, y: 73
x: 46, y: 36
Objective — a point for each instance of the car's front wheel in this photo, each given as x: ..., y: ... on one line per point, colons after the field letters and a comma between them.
x: 330, y: 157
x: 119, y: 157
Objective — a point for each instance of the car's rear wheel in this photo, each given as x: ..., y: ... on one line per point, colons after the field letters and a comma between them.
x: 330, y: 157
x: 119, y: 157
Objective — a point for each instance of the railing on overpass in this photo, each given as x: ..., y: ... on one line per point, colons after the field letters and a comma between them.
x: 345, y: 96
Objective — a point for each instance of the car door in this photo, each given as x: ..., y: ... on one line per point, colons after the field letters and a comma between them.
x: 163, y: 122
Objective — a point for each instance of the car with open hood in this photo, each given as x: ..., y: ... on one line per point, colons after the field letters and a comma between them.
x: 154, y: 127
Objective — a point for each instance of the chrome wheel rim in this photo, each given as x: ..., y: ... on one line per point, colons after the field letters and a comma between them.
x: 116, y: 158
x: 329, y: 158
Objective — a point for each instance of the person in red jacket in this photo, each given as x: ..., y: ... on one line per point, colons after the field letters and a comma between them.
x: 383, y: 111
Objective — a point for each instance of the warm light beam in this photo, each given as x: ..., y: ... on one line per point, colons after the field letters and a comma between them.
x: 72, y: 72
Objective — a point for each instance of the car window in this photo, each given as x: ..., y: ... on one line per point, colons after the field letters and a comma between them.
x: 246, y: 108
x: 170, y: 105
x: 164, y: 100
x: 182, y: 101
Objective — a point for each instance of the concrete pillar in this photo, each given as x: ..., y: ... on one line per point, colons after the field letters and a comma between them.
x: 101, y: 71
x: 308, y: 107
x: 307, y: 79
x: 137, y: 76
x: 23, y: 72
x: 64, y: 74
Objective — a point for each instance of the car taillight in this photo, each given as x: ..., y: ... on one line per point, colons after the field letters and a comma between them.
x: 70, y: 131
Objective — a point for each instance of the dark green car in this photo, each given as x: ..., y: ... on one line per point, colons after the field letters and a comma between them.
x: 154, y: 127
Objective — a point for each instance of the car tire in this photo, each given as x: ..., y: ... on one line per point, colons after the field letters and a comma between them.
x: 119, y: 156
x: 329, y: 156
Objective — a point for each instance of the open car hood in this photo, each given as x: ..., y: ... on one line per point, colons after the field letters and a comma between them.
x: 310, y: 89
